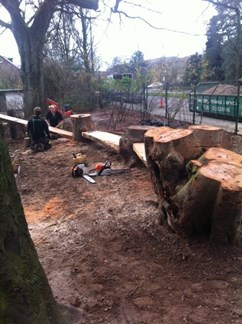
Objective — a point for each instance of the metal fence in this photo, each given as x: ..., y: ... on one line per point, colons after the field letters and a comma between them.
x: 185, y: 104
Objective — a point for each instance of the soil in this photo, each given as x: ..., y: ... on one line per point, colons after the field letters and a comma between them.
x: 106, y: 255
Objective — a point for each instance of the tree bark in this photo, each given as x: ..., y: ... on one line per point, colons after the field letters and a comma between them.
x: 199, y: 189
x: 25, y: 295
x: 81, y: 123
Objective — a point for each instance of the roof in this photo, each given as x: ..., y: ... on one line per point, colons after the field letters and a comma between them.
x: 10, y: 90
x: 9, y: 61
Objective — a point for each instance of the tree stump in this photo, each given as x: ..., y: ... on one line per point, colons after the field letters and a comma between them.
x: 127, y: 152
x: 199, y: 189
x: 81, y: 123
x: 133, y: 134
x: 136, y: 132
x: 212, y: 136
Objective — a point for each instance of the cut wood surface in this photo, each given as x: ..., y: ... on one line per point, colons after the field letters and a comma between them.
x: 199, y: 190
x: 61, y: 132
x: 24, y: 122
x: 108, y: 139
x: 13, y: 119
x: 139, y: 149
x: 212, y: 136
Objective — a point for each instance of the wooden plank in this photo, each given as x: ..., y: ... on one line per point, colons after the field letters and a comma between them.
x: 108, y: 139
x: 139, y: 149
x: 13, y: 119
x: 61, y: 132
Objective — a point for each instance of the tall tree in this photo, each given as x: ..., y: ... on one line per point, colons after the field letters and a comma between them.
x: 30, y: 33
x: 193, y: 69
x: 138, y: 66
x: 214, y: 49
x: 230, y: 29
x: 70, y: 49
x: 25, y: 295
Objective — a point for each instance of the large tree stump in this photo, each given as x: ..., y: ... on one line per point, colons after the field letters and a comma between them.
x: 212, y: 136
x: 81, y: 123
x: 199, y: 191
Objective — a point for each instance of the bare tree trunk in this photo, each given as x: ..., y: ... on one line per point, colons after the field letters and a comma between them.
x: 25, y: 294
x: 32, y: 76
x: 199, y: 188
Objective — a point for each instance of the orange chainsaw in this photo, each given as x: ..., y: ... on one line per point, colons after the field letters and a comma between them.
x: 105, y: 169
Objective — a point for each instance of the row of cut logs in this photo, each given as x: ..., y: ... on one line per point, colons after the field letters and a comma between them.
x: 197, y: 180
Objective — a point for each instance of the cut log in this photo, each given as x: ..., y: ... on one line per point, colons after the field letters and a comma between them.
x: 167, y: 152
x: 199, y: 192
x: 210, y: 136
x: 105, y: 138
x: 136, y: 132
x: 81, y: 123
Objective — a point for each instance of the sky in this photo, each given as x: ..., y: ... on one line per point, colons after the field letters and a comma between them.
x: 187, y: 18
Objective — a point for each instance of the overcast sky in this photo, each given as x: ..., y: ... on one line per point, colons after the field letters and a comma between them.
x: 187, y: 18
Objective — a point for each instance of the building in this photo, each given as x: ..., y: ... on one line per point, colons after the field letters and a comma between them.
x: 10, y: 74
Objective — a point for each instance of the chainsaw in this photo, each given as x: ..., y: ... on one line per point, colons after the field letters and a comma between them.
x: 105, y: 169
x: 80, y: 170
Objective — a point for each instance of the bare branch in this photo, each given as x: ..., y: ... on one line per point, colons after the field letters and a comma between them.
x: 152, y: 26
x: 4, y: 24
x: 115, y: 8
x: 88, y: 4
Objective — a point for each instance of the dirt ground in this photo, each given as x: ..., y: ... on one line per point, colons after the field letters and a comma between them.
x: 104, y: 252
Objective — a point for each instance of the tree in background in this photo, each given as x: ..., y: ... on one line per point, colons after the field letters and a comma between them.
x: 193, y: 69
x: 71, y: 48
x: 227, y: 24
x: 138, y: 66
x: 214, y: 48
x: 30, y: 36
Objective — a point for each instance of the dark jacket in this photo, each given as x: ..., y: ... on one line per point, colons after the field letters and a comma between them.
x: 37, y: 128
x: 54, y: 119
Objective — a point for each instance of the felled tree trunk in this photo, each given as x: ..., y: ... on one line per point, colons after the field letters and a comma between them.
x: 199, y: 189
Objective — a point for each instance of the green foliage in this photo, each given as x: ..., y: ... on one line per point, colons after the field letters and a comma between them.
x: 193, y: 70
x: 213, y: 54
x: 224, y: 45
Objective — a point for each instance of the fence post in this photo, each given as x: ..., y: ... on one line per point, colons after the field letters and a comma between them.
x: 194, y: 105
x: 237, y: 106
x: 166, y: 100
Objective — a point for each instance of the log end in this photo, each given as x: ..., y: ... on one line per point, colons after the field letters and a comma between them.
x: 167, y: 134
x: 229, y: 175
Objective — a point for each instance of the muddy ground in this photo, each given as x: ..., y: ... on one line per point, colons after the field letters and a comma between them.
x: 104, y: 252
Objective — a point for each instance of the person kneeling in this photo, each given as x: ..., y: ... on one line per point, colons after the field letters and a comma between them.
x: 38, y: 131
